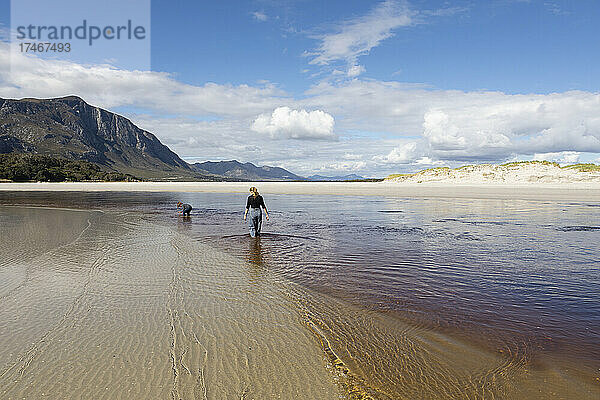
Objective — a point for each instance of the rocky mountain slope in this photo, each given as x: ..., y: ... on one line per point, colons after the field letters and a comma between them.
x: 68, y: 127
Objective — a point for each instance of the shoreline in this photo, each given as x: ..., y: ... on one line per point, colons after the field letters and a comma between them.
x: 552, y: 192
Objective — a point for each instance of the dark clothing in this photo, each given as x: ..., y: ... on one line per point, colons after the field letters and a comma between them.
x: 255, y: 202
x: 186, y: 209
x: 255, y: 221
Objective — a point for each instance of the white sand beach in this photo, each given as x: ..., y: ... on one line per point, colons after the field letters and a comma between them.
x: 576, y: 191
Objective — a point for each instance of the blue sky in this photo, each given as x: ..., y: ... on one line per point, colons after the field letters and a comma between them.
x: 511, y: 46
x: 367, y: 87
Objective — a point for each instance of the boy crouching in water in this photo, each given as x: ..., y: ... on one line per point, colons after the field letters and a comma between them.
x: 186, y: 209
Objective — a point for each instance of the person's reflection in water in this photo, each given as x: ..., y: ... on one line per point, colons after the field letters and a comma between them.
x: 184, y: 224
x: 256, y: 260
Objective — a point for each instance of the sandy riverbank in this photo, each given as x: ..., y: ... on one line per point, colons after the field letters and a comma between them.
x: 580, y: 191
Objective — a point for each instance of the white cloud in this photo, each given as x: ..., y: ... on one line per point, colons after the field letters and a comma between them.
x: 465, y: 126
x: 374, y: 119
x: 358, y: 36
x: 355, y: 71
x: 342, y: 166
x: 555, y: 9
x: 260, y: 16
x: 403, y: 154
x: 495, y: 124
x: 446, y: 12
x: 284, y: 122
x: 456, y: 135
x: 410, y: 153
x: 106, y: 86
x: 351, y: 156
x: 207, y: 140
x: 428, y: 161
x: 563, y: 157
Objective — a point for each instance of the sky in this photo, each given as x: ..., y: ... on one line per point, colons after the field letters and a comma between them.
x: 338, y: 87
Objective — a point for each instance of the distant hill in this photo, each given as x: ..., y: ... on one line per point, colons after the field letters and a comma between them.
x: 70, y: 128
x: 245, y: 171
x: 349, y: 177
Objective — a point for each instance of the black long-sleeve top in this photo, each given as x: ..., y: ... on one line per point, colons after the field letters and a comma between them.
x: 255, y: 202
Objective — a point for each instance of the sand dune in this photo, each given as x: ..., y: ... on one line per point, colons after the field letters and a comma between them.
x: 518, y: 173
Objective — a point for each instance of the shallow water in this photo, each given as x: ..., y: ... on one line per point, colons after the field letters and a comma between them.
x: 132, y: 310
x: 401, y: 298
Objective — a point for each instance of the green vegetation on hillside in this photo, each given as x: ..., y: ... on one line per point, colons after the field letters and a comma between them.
x: 584, y: 167
x: 20, y: 167
x: 437, y: 171
x: 518, y: 163
x: 434, y: 171
x: 393, y: 176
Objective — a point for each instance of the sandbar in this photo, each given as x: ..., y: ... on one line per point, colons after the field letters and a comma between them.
x: 581, y: 191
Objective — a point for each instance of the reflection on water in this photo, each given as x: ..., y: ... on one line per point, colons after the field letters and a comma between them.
x: 255, y: 253
x: 256, y: 261
x: 427, y: 298
x: 184, y: 224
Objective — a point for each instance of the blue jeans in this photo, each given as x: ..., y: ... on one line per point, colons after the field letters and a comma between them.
x: 254, y: 221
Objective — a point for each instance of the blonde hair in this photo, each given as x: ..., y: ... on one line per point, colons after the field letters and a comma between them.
x: 254, y: 191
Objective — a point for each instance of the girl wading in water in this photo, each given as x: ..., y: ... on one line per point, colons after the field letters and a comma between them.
x: 254, y: 204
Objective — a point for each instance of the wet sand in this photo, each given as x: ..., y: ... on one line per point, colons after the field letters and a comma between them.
x: 117, y: 308
x: 588, y: 191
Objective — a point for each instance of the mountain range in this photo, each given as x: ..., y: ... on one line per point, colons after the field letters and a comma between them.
x: 69, y: 128
x: 349, y: 177
x: 245, y: 171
